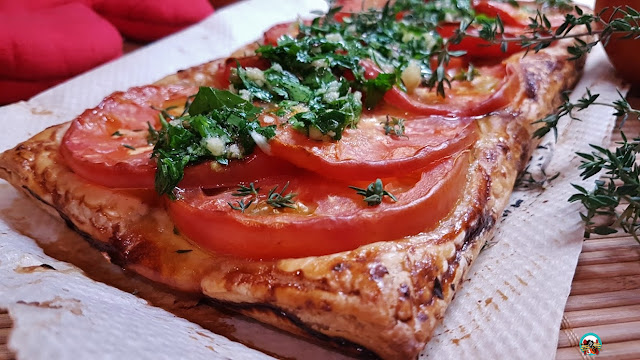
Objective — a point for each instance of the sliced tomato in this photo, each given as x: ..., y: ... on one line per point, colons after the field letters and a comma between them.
x: 510, y: 15
x: 323, y: 209
x: 274, y: 33
x: 491, y: 90
x: 366, y: 152
x: 477, y: 48
x: 108, y: 144
x: 210, y: 174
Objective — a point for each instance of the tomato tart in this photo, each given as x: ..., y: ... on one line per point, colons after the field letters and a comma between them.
x: 335, y: 179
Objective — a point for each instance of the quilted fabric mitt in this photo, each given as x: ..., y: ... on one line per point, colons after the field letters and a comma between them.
x: 42, y: 47
x: 44, y: 42
x: 148, y: 20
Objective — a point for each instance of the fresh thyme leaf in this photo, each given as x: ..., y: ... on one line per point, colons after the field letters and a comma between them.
x: 116, y: 133
x: 393, y: 126
x: 550, y: 122
x: 246, y: 190
x: 128, y: 146
x: 541, y: 34
x: 620, y: 182
x: 241, y: 205
x: 374, y: 193
x: 278, y: 199
x: 184, y: 251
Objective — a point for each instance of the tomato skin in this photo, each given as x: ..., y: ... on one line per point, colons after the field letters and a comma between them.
x: 477, y: 48
x: 500, y: 98
x: 506, y: 12
x: 366, y: 153
x: 91, y: 150
x: 224, y: 71
x: 256, y: 166
x: 274, y: 33
x: 213, y: 225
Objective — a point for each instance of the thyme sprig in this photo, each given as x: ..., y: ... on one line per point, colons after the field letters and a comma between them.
x: 275, y: 199
x: 620, y: 183
x: 374, y: 193
x: 246, y: 190
x: 540, y: 33
x: 550, y: 122
x: 279, y: 200
x: 241, y: 205
x: 393, y: 126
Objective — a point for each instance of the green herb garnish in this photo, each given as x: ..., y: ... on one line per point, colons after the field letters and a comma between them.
x: 219, y: 126
x: 241, y: 205
x: 374, y: 193
x: 393, y: 126
x: 246, y: 190
x: 278, y: 199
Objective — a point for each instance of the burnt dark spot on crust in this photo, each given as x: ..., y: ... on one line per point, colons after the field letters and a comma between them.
x: 341, y: 343
x: 404, y: 290
x: 377, y: 271
x: 114, y: 255
x: 422, y: 316
x: 339, y: 267
x: 47, y: 266
x: 531, y: 85
x: 437, y: 289
x: 483, y: 224
x: 453, y: 287
x: 503, y: 147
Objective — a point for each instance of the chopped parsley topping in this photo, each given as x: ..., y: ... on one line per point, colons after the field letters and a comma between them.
x: 219, y: 126
x: 320, y: 74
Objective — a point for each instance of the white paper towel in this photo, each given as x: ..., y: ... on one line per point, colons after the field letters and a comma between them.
x: 509, y: 307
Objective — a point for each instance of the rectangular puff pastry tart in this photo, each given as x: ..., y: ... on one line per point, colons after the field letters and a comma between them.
x: 335, y: 180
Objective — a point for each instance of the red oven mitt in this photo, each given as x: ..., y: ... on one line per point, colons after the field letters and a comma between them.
x: 148, y: 20
x: 42, y: 46
x: 44, y: 42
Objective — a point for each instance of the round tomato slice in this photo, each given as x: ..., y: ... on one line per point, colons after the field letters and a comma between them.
x: 322, y: 210
x: 489, y: 91
x: 517, y: 16
x: 274, y: 33
x: 223, y: 73
x: 367, y: 152
x: 509, y: 14
x: 108, y: 144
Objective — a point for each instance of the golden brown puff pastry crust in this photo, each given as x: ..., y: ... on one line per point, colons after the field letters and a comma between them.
x: 383, y: 299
